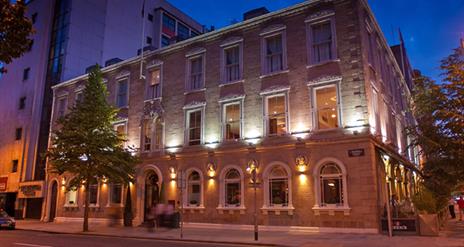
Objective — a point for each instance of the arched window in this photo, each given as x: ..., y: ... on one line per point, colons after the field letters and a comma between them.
x: 194, y: 189
x: 330, y: 186
x: 232, y: 186
x: 331, y: 179
x: 278, y: 187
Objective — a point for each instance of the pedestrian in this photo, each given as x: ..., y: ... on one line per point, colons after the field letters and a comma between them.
x: 451, y: 203
x: 461, y: 207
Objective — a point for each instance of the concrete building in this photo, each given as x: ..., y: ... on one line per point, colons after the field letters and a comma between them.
x: 310, y: 98
x: 70, y: 36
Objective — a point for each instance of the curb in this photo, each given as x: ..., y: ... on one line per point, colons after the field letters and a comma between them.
x: 153, y: 238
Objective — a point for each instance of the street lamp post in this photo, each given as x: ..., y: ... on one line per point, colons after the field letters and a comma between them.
x: 255, y: 214
x: 181, y: 185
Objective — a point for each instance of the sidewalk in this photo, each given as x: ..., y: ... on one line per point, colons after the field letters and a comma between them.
x: 452, y: 236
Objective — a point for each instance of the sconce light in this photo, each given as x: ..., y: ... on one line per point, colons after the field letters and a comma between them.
x: 104, y: 180
x: 211, y: 169
x: 172, y: 173
x: 63, y: 181
x: 252, y: 166
x: 301, y: 163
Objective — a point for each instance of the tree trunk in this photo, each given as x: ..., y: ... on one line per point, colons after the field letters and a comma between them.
x: 86, y: 206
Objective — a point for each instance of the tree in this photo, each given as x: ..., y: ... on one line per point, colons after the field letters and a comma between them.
x: 15, y: 29
x: 86, y: 144
x: 439, y: 110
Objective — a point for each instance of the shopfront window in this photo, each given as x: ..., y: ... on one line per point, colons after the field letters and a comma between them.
x: 194, y: 189
x: 331, y: 179
x: 232, y: 183
x: 278, y: 187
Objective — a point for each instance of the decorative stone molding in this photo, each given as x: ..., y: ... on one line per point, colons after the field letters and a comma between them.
x: 195, y: 51
x: 320, y: 15
x: 153, y: 109
x: 154, y: 63
x: 331, y: 210
x: 272, y: 28
x: 231, y: 41
x: 278, y: 210
x: 122, y: 74
x: 324, y: 79
x: 275, y: 89
x: 194, y: 104
x: 231, y: 97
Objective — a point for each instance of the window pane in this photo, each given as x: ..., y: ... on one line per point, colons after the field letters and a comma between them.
x: 165, y: 41
x: 232, y: 66
x: 194, y: 128
x: 158, y: 133
x: 232, y: 193
x: 116, y: 191
x: 232, y: 120
x: 322, y: 42
x: 327, y: 108
x: 61, y: 107
x: 278, y: 189
x: 122, y: 93
x: 147, y: 135
x: 196, y: 73
x: 331, y: 191
x: 276, y: 115
x: 194, y: 189
x: 182, y: 32
x: 274, y: 53
x: 154, y: 88
x: 93, y: 191
x: 169, y: 25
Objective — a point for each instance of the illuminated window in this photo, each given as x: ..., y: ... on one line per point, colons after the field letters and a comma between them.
x: 154, y: 84
x: 71, y: 197
x: 276, y: 115
x: 232, y: 121
x: 326, y: 107
x: 278, y: 187
x: 194, y: 189
x: 122, y: 93
x: 152, y: 134
x: 232, y: 184
x: 121, y: 130
x: 331, y: 179
x: 194, y: 127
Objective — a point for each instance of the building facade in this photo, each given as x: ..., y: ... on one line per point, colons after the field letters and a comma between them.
x: 309, y: 98
x: 69, y: 37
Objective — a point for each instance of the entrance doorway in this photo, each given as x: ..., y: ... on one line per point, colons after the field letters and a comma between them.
x: 151, y: 192
x: 53, y: 199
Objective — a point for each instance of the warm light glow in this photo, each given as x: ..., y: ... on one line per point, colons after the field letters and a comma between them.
x: 211, y: 170
x: 172, y: 173
x: 63, y: 181
x: 104, y: 180
x: 211, y: 184
x: 303, y: 179
x: 212, y: 144
x: 301, y: 168
x: 331, y: 184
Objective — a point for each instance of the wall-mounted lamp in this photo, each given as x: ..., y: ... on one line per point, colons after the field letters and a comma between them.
x: 104, y: 180
x: 301, y: 163
x: 211, y: 169
x: 63, y: 181
x: 172, y: 173
x: 252, y: 166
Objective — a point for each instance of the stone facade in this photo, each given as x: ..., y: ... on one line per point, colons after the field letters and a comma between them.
x: 353, y: 146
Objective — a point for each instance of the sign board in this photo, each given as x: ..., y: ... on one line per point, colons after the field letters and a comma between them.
x: 406, y: 225
x: 32, y: 189
x: 3, y: 183
x: 356, y: 152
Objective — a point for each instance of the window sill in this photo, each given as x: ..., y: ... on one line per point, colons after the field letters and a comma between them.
x: 231, y: 209
x: 192, y: 209
x: 222, y: 84
x: 274, y: 73
x: 115, y: 205
x: 331, y: 210
x: 94, y: 206
x: 278, y: 209
x: 194, y: 91
x: 322, y: 63
x: 154, y: 99
x: 70, y: 206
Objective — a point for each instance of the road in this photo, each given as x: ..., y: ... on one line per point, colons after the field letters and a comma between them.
x: 20, y: 238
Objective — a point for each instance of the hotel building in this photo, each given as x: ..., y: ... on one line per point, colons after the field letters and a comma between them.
x: 309, y: 98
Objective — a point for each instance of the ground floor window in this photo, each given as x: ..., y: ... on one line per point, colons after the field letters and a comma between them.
x: 194, y: 189
x: 331, y: 180
x: 278, y: 187
x: 116, y: 193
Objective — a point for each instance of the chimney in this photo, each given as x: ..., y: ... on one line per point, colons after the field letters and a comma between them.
x: 255, y: 13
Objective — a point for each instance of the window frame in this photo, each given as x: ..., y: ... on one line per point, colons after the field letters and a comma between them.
x: 110, y: 202
x: 123, y: 123
x: 266, y: 175
x: 187, y: 125
x: 224, y: 120
x: 26, y: 73
x: 159, y: 67
x: 266, y: 112
x: 65, y: 106
x: 118, y: 83
x: 97, y: 204
x: 224, y: 47
x: 18, y: 134
x: 314, y: 109
x: 223, y: 188
x: 279, y: 30
x: 318, y: 205
x: 66, y: 197
x: 186, y: 191
x: 153, y: 134
x: 22, y: 103
x: 188, y: 76
x: 309, y: 38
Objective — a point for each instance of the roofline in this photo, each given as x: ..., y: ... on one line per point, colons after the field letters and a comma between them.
x: 206, y: 36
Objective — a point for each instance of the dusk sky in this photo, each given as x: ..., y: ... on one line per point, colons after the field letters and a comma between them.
x: 431, y: 28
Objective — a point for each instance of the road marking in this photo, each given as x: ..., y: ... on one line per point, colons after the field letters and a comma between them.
x: 32, y: 245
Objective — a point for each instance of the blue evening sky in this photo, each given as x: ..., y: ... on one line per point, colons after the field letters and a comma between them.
x: 431, y: 28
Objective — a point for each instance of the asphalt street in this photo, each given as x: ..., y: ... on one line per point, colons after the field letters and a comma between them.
x: 18, y: 238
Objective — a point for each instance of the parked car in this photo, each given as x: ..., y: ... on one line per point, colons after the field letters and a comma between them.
x: 7, y: 221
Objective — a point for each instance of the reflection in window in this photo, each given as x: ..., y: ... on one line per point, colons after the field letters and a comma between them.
x: 327, y: 107
x: 331, y: 179
x: 274, y: 53
x: 194, y: 189
x: 277, y: 122
x: 232, y: 121
x: 278, y: 187
x: 194, y: 128
x: 232, y: 187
